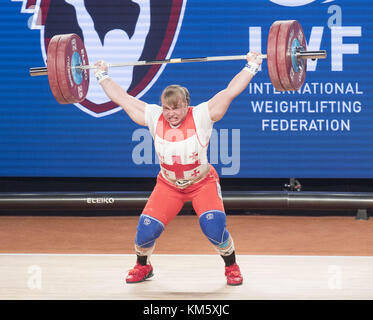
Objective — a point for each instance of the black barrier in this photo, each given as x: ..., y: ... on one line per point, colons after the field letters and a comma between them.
x: 233, y: 200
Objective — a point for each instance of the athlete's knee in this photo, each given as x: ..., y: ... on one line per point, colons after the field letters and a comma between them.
x: 148, y: 230
x: 213, y: 225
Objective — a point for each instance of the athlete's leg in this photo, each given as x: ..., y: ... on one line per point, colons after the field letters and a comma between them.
x: 213, y: 225
x: 162, y: 206
x: 208, y: 204
x: 148, y: 230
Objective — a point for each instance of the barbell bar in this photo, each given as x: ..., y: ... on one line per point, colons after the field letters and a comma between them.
x: 43, y: 71
x: 68, y: 68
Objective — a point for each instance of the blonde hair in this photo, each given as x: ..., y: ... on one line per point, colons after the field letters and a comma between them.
x: 172, y: 94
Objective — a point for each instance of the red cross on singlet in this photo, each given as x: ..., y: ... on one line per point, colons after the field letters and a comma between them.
x: 195, y: 173
x: 179, y: 168
x: 194, y: 156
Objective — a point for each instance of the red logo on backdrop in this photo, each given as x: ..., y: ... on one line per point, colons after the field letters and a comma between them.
x: 115, y: 31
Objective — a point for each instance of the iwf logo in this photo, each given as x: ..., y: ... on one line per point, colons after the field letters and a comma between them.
x: 115, y: 31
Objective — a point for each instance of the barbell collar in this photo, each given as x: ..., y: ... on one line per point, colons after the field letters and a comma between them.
x: 321, y: 54
x: 38, y: 71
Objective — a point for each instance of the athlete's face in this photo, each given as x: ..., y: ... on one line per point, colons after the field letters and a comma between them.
x: 175, y: 114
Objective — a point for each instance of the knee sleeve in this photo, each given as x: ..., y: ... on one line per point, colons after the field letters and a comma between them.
x: 148, y: 230
x: 213, y: 225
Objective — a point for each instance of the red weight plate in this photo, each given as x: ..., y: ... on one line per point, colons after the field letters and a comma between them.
x: 73, y: 82
x: 272, y: 56
x: 52, y: 69
x: 292, y: 72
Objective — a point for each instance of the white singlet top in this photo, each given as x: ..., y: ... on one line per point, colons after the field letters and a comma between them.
x: 182, y: 151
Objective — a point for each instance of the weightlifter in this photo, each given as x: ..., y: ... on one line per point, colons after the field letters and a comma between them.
x: 181, y: 136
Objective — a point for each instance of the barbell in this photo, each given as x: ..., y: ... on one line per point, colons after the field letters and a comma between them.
x: 68, y: 68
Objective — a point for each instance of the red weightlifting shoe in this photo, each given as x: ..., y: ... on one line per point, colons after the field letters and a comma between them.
x: 233, y: 274
x: 139, y: 273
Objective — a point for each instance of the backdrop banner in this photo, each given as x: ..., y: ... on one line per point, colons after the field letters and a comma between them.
x: 323, y: 130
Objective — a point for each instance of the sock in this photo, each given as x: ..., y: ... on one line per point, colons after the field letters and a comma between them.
x: 229, y: 260
x: 142, y: 260
x: 143, y: 254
